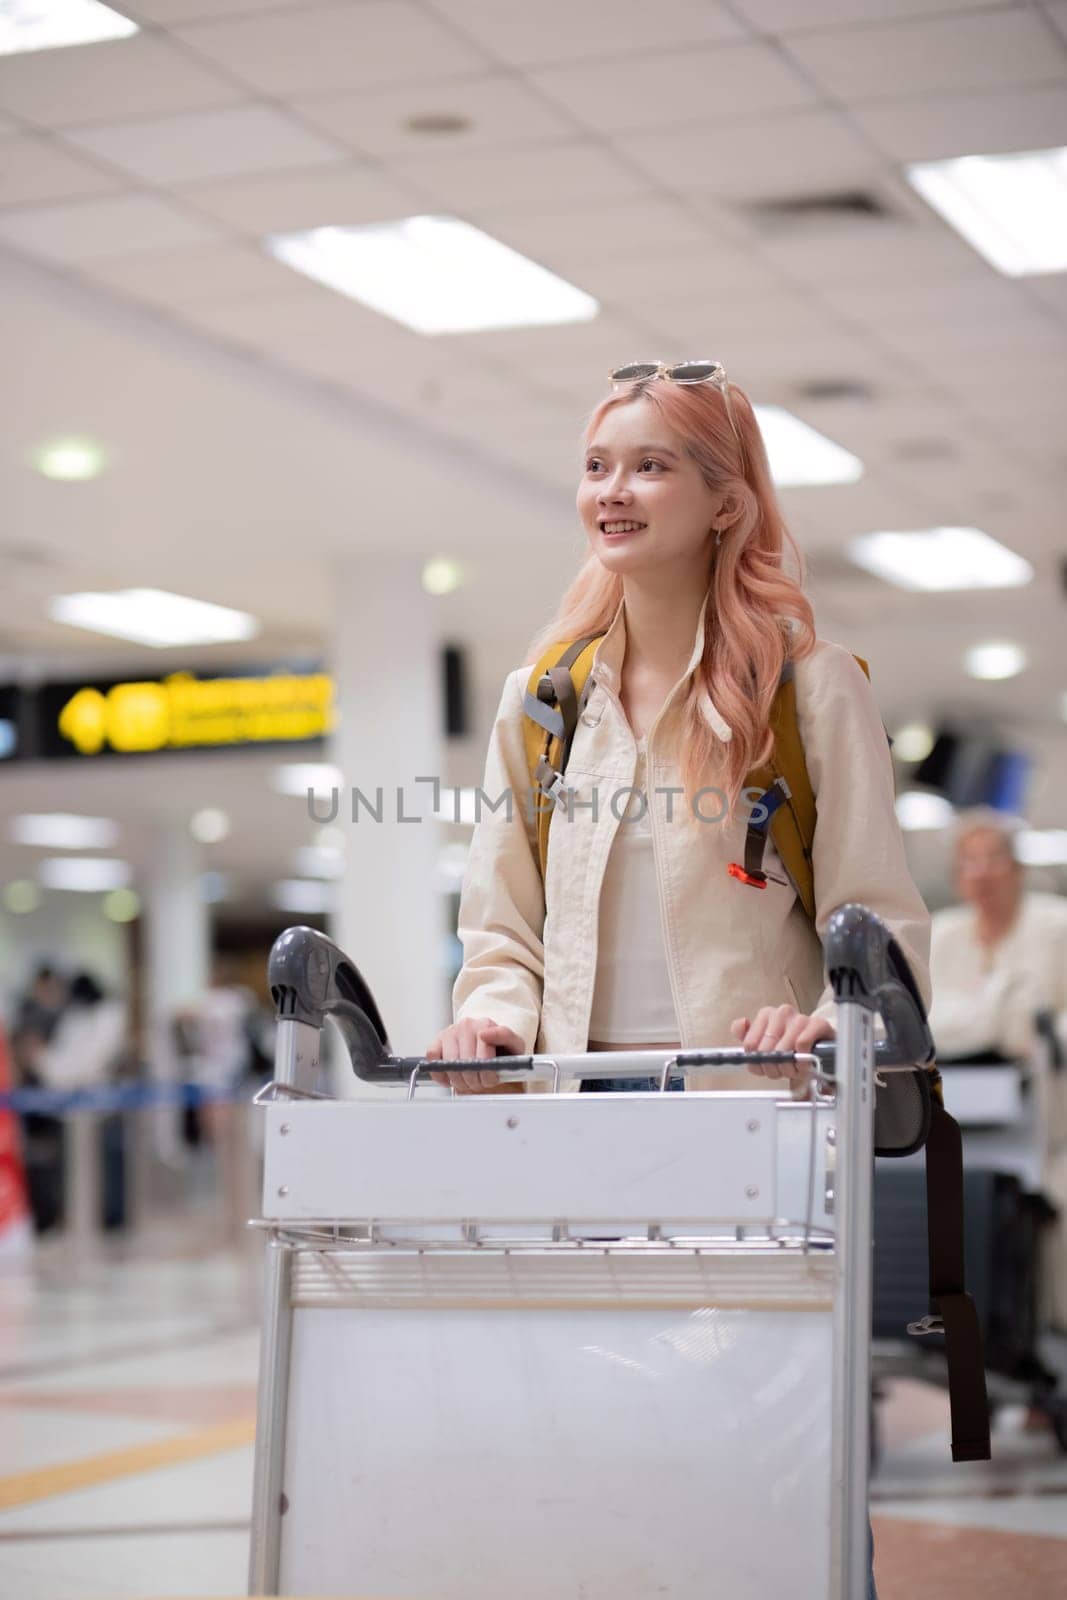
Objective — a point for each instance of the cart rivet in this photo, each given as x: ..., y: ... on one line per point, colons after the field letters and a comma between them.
x: 283, y: 1191
x: 752, y: 1125
x: 286, y: 1127
x: 751, y: 1192
x: 831, y: 1136
x: 513, y: 1122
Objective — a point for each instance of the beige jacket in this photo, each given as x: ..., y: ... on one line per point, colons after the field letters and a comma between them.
x: 529, y: 955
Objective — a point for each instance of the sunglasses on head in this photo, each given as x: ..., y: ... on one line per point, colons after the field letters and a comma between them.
x: 681, y: 372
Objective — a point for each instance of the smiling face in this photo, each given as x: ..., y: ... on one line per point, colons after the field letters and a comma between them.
x: 637, y: 470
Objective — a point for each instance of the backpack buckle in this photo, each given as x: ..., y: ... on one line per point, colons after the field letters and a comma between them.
x: 926, y: 1325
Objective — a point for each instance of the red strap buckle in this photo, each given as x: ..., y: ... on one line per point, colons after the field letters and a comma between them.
x: 756, y: 880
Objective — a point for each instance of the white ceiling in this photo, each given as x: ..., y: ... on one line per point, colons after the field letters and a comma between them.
x: 258, y: 424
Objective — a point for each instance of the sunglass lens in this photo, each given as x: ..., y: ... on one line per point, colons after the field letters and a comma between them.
x: 695, y: 371
x: 635, y: 370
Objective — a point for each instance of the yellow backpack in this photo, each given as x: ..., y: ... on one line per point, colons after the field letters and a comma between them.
x: 558, y: 688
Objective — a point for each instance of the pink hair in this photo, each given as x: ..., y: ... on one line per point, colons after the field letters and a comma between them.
x: 757, y: 611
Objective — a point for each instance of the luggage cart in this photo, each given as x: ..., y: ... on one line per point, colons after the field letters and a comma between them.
x: 592, y: 1345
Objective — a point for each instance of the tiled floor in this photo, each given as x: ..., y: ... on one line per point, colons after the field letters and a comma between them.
x: 126, y: 1405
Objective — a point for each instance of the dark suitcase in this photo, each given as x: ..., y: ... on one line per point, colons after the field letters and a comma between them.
x: 1002, y: 1263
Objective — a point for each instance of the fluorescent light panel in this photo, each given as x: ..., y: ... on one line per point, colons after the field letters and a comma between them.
x: 799, y: 455
x: 941, y: 559
x: 1011, y: 208
x: 307, y: 895
x: 153, y: 617
x: 1042, y: 847
x: 297, y: 777
x: 916, y: 809
x: 995, y: 660
x: 51, y: 24
x: 434, y: 274
x: 84, y: 874
x: 62, y: 830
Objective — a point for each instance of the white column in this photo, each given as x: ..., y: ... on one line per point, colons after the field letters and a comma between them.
x: 390, y: 917
x: 177, y: 952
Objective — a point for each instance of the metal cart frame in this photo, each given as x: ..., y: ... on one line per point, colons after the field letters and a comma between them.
x: 313, y: 981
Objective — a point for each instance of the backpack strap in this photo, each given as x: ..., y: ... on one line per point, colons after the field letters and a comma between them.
x: 556, y: 692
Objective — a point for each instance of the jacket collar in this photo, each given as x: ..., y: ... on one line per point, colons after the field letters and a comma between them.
x: 609, y: 654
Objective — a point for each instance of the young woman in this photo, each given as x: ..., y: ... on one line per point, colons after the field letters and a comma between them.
x: 639, y: 936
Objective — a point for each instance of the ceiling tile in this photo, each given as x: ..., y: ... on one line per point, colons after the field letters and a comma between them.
x: 329, y: 47
x: 169, y: 12
x: 793, y: 16
x: 1058, y: 16
x: 560, y: 31
x: 336, y: 195
x: 34, y: 170
x: 144, y: 75
x: 187, y: 276
x: 303, y: 314
x: 92, y: 229
x: 652, y: 280
x: 991, y: 49
x: 206, y: 144
x: 871, y: 252
x: 501, y: 110
x: 566, y: 239
x: 580, y: 354
x: 974, y: 124
x: 695, y: 87
x: 802, y: 151
x: 548, y: 174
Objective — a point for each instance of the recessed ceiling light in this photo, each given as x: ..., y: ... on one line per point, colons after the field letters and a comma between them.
x: 62, y: 830
x: 997, y: 659
x: 435, y: 275
x: 1011, y: 208
x: 209, y: 826
x: 50, y: 24
x: 799, y: 455
x: 941, y: 559
x: 297, y: 777
x: 70, y: 460
x: 21, y: 896
x: 1042, y: 847
x: 441, y: 576
x: 84, y: 874
x: 913, y: 742
x: 153, y: 617
x: 306, y: 895
x: 122, y: 905
x: 917, y: 809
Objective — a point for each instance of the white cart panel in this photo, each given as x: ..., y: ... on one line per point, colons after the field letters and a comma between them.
x: 522, y: 1454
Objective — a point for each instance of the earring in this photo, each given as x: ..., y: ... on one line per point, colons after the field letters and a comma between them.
x: 718, y: 537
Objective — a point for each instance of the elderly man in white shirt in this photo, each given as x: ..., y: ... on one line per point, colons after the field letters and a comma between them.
x: 995, y: 962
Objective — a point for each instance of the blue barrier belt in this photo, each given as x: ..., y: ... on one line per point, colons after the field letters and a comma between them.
x: 115, y: 1097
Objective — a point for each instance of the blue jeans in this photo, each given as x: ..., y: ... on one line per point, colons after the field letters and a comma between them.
x: 625, y: 1085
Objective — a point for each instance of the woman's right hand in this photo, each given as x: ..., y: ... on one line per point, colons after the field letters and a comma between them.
x: 473, y: 1039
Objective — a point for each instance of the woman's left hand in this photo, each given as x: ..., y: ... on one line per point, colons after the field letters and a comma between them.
x: 781, y: 1028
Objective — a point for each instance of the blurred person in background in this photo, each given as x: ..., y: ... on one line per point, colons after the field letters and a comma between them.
x: 997, y: 962
x: 83, y: 1049
x: 38, y: 1012
x: 220, y: 1053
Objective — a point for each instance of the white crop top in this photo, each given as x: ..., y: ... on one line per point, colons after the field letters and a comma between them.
x: 632, y: 1001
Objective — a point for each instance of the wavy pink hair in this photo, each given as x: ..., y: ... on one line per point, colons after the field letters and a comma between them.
x: 757, y: 611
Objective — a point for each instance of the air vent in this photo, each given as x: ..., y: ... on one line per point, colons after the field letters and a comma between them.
x: 835, y: 389
x: 809, y: 211
x: 924, y: 449
x: 437, y: 122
